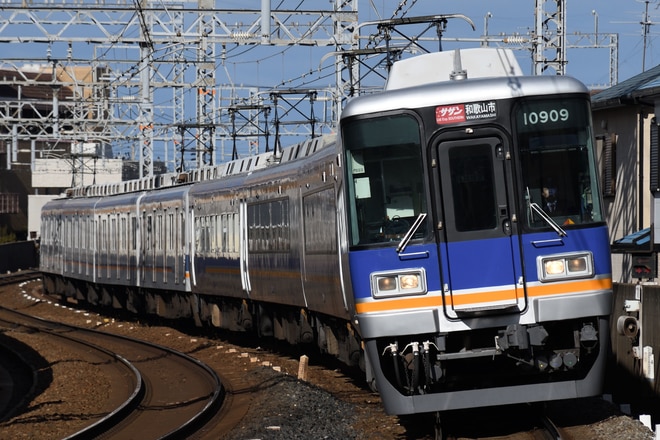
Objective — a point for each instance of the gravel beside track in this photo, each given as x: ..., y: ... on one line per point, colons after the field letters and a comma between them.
x: 330, y: 405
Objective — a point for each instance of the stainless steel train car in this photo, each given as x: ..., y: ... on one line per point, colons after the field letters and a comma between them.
x: 449, y: 240
x: 253, y: 244
x: 478, y: 252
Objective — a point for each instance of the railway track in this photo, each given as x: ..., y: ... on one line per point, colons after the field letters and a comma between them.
x: 156, y: 392
x: 533, y: 421
x: 281, y: 403
x: 17, y: 277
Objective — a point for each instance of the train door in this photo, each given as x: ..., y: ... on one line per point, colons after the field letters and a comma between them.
x: 482, y: 269
x: 243, y: 247
x: 321, y: 278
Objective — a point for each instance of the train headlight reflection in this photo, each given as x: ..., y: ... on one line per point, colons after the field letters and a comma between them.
x: 385, y: 284
x: 395, y: 283
x: 554, y: 267
x: 565, y: 266
x: 409, y: 281
x: 577, y: 264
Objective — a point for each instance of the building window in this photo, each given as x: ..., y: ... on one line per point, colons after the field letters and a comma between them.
x: 655, y: 156
x: 9, y: 203
x: 607, y: 144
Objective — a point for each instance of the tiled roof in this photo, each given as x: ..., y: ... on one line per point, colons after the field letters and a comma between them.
x: 644, y: 85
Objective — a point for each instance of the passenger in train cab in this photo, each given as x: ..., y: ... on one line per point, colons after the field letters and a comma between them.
x: 549, y: 194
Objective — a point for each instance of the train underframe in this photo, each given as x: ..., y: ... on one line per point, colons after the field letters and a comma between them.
x: 293, y: 325
x: 454, y: 365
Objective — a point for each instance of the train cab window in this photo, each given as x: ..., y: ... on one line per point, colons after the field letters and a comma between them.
x: 385, y: 178
x: 558, y: 165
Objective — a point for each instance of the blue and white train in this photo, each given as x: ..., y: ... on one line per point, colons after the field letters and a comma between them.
x: 450, y: 240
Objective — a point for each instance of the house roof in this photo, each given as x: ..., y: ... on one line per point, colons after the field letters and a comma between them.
x: 640, y: 89
x: 637, y: 242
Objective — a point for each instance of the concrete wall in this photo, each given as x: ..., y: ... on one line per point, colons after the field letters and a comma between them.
x: 58, y: 173
x: 35, y: 203
x: 19, y: 255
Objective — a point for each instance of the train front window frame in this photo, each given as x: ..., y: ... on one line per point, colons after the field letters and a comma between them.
x: 558, y: 166
x: 385, y: 178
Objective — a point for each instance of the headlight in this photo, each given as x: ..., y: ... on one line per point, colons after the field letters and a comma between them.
x: 398, y: 283
x: 566, y: 266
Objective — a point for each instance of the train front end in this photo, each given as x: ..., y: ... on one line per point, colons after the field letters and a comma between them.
x: 478, y: 253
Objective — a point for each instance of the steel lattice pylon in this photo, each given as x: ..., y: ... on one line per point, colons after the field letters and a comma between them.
x: 142, y: 77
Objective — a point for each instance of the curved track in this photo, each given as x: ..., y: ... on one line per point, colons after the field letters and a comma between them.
x: 156, y: 392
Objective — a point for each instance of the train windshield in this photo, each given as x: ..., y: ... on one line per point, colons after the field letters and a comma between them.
x: 385, y: 179
x: 558, y: 163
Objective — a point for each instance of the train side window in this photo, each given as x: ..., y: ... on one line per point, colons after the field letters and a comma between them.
x: 118, y: 244
x: 104, y: 235
x: 202, y: 230
x: 233, y: 232
x: 220, y: 232
x: 113, y: 235
x: 211, y: 233
x: 198, y: 235
x: 224, y: 226
x: 286, y: 227
x: 124, y: 235
x: 74, y: 231
x: 182, y: 231
x: 166, y: 243
x: 175, y: 243
x: 161, y: 233
x: 82, y: 231
x: 88, y: 241
x: 216, y: 235
x: 68, y: 232
x: 147, y: 234
x: 205, y: 234
x: 319, y: 209
x: 133, y: 233
x: 268, y: 226
x: 172, y: 232
x: 151, y: 235
x: 108, y: 241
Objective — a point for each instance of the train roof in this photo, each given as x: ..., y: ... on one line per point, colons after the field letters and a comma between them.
x: 236, y: 167
x: 455, y: 77
x: 481, y: 62
x: 464, y: 91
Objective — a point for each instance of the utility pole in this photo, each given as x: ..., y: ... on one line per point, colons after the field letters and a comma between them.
x: 549, y: 38
x: 646, y: 26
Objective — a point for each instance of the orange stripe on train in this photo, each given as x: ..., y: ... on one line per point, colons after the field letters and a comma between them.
x: 567, y: 288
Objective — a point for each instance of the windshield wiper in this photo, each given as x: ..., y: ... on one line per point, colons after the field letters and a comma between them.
x: 406, y: 238
x: 553, y: 224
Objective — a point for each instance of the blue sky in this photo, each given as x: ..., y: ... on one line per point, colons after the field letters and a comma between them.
x: 268, y: 67
x: 589, y: 65
x: 273, y: 66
